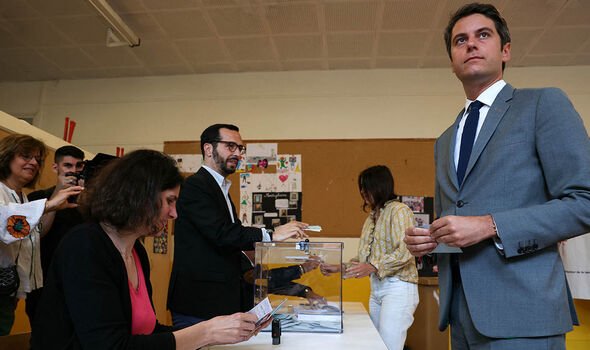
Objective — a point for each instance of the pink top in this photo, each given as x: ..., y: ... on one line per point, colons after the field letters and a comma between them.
x: 143, y: 317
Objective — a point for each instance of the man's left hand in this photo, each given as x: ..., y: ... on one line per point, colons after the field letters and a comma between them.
x: 462, y: 231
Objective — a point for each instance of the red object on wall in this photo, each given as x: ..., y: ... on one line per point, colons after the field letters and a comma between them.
x: 69, y: 127
x: 71, y: 130
x: 66, y: 126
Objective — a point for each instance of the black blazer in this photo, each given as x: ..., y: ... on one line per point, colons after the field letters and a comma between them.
x: 206, y: 273
x: 85, y: 301
x: 64, y: 221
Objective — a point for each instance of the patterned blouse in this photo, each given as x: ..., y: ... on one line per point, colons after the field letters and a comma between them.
x: 382, y: 245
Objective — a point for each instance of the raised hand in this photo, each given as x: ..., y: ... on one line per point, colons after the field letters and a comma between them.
x: 293, y: 229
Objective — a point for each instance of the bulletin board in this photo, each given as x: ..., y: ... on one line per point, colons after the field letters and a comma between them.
x: 330, y: 171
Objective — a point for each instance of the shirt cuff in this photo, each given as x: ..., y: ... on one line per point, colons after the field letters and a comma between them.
x: 497, y: 240
x: 265, y: 235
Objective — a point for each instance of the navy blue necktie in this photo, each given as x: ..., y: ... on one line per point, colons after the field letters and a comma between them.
x: 467, y: 139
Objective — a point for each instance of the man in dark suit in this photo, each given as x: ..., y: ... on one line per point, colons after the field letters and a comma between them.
x: 68, y: 162
x: 206, y: 276
x: 512, y: 180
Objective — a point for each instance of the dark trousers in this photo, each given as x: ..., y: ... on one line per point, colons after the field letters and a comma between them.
x: 7, y: 309
x: 31, y: 304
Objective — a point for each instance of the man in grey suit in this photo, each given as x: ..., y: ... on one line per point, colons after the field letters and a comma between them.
x: 512, y: 180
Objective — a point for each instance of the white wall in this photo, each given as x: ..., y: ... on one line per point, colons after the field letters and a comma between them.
x: 145, y: 112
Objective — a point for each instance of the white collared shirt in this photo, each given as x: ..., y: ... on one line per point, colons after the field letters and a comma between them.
x: 487, y: 98
x: 225, y: 184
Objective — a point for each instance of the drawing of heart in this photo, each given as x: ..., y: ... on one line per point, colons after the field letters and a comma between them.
x: 263, y: 163
x: 283, y: 177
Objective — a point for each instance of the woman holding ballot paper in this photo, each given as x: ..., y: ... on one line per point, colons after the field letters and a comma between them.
x: 383, y: 256
x: 98, y: 292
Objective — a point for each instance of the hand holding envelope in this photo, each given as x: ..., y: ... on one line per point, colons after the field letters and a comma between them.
x: 420, y: 242
x: 264, y: 312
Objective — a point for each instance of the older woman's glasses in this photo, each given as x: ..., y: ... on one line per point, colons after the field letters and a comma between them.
x: 29, y: 157
x: 232, y: 146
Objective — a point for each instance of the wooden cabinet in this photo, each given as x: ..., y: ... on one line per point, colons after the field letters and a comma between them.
x: 424, y: 333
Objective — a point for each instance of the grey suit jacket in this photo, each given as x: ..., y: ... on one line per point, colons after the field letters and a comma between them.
x: 530, y: 169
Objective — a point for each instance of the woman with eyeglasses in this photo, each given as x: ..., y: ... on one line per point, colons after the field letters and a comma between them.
x: 21, y: 221
x: 98, y: 290
x: 384, y: 257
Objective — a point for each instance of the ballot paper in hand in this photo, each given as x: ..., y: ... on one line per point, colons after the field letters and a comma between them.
x: 315, y: 228
x: 441, y: 247
x: 264, y: 311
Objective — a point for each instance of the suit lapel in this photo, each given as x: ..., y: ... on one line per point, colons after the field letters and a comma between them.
x: 233, y: 208
x: 452, y: 170
x: 495, y: 114
x: 215, y: 186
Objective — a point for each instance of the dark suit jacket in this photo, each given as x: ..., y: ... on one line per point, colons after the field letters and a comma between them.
x: 530, y: 169
x: 85, y: 301
x: 206, y: 272
x: 64, y: 221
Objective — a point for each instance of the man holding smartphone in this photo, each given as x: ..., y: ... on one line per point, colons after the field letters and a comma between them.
x: 68, y: 164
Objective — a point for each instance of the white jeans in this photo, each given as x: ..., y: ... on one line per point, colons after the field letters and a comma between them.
x: 391, y: 306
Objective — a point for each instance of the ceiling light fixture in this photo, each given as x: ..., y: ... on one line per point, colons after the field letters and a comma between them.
x: 116, y: 24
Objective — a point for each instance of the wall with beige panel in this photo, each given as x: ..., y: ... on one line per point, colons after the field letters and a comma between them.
x: 145, y: 112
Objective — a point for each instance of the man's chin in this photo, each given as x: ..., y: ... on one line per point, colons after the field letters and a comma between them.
x: 229, y: 171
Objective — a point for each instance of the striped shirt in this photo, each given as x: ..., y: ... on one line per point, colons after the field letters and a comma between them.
x: 382, y: 245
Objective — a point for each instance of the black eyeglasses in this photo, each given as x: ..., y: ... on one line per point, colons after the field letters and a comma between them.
x: 29, y: 157
x: 232, y: 146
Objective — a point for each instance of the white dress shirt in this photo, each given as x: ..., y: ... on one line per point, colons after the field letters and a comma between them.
x: 487, y: 98
x: 224, y: 185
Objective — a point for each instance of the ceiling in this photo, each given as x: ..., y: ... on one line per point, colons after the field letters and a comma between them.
x: 66, y: 39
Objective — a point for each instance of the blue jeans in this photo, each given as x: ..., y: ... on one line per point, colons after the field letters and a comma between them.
x: 181, y: 321
x: 391, y: 307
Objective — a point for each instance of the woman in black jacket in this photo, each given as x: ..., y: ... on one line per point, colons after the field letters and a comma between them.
x: 98, y: 292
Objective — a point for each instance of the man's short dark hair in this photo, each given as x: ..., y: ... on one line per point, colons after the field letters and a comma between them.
x: 211, y: 134
x: 65, y: 151
x: 487, y: 10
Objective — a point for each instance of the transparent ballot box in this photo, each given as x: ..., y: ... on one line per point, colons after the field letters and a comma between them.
x: 308, y: 275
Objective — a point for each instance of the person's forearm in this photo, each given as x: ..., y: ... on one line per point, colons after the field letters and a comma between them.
x: 193, y: 337
x: 46, y: 222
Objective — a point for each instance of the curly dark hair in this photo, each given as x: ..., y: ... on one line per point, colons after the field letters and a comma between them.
x: 377, y: 183
x: 487, y: 10
x: 18, y: 145
x: 126, y: 192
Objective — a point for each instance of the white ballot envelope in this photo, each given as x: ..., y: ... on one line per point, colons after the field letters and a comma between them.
x: 264, y: 311
x: 315, y: 228
x: 441, y: 247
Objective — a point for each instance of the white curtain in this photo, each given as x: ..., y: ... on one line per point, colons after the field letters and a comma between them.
x: 576, y: 261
